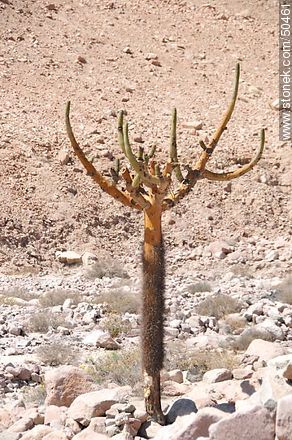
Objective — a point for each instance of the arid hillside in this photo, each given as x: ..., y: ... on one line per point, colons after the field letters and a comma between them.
x: 145, y: 58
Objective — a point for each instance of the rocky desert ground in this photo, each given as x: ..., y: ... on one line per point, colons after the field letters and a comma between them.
x: 70, y: 256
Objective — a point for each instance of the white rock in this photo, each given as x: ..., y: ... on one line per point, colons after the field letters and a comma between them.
x: 68, y: 257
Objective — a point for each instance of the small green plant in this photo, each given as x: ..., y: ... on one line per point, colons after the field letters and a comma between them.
x: 219, y: 305
x: 57, y: 353
x: 115, y: 325
x: 122, y: 367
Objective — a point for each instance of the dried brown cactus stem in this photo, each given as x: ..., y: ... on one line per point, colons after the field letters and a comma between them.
x: 105, y: 185
x: 153, y: 308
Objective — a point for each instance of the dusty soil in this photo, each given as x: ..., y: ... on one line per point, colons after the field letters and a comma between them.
x: 94, y: 53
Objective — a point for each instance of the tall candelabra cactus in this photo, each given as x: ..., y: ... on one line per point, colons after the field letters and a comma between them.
x: 145, y: 186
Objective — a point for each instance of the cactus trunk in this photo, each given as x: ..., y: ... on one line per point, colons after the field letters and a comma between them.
x: 153, y: 310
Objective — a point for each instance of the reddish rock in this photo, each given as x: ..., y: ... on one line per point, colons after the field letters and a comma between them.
x: 256, y: 423
x: 65, y: 383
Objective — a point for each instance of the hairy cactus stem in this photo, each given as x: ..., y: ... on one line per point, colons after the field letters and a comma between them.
x: 153, y: 308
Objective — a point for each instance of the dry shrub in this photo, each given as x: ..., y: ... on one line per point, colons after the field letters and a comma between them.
x: 34, y: 395
x: 17, y: 292
x: 108, y: 267
x: 198, y: 360
x: 242, y: 270
x: 199, y: 287
x: 120, y: 302
x: 219, y: 305
x: 115, y: 325
x: 121, y: 367
x: 57, y: 353
x: 242, y: 342
x: 235, y: 322
x: 284, y: 291
x: 57, y: 297
x: 42, y: 321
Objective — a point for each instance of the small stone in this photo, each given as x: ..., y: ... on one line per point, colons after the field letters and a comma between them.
x: 242, y: 373
x: 68, y: 257
x: 151, y: 56
x: 63, y: 157
x: 156, y: 63
x: 276, y: 104
x: 272, y: 256
x: 194, y: 125
x: 81, y: 60
x: 139, y: 139
x: 176, y: 376
x: 101, y: 339
x: 127, y: 50
x: 217, y: 375
x: 287, y: 372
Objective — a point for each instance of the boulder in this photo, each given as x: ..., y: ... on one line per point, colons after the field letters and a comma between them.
x: 88, y: 434
x: 37, y: 433
x: 65, y: 383
x: 217, y: 375
x: 266, y: 350
x: 56, y: 435
x: 96, y: 403
x: 284, y: 418
x: 178, y: 408
x: 192, y: 426
x: 256, y: 423
x: 99, y: 338
x: 55, y: 416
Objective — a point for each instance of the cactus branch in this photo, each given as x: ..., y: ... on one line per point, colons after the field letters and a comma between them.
x: 173, y: 147
x: 104, y: 184
x: 145, y: 177
x: 206, y: 154
x: 134, y: 191
x: 121, y: 132
x: 241, y: 171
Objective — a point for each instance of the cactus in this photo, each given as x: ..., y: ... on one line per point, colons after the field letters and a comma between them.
x: 147, y: 188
